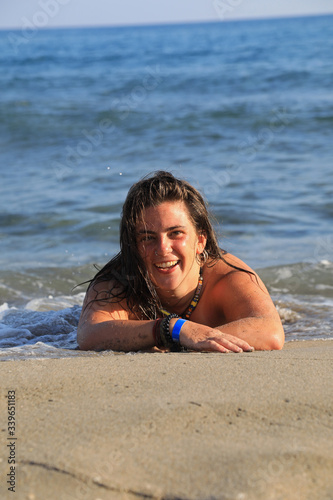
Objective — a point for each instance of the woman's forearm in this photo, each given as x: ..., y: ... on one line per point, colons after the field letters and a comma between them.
x: 117, y: 335
x: 263, y: 333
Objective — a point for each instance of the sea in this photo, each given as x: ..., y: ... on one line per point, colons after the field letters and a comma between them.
x: 241, y: 109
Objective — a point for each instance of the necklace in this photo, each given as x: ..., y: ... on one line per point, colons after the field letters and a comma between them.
x: 193, y: 304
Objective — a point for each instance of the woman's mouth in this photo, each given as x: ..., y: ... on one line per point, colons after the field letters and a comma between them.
x: 166, y: 265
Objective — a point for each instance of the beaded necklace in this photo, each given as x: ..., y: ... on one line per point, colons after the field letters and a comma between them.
x: 186, y: 314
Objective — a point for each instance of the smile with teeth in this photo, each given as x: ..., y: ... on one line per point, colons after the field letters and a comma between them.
x: 165, y: 265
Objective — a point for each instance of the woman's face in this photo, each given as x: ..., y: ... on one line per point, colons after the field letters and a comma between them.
x: 168, y: 243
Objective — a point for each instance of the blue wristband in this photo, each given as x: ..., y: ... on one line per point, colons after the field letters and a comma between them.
x: 176, y: 329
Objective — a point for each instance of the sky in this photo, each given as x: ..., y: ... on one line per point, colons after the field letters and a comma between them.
x: 25, y: 14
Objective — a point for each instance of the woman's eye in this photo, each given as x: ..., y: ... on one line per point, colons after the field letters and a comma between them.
x: 146, y: 237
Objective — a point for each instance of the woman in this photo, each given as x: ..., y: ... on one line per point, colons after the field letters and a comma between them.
x: 171, y: 286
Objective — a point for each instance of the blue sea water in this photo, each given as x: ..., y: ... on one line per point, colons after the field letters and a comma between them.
x: 243, y: 110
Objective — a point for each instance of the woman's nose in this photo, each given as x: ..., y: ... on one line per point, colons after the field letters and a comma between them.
x: 162, y: 246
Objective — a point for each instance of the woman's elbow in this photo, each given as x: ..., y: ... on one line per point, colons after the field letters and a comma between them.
x: 83, y: 346
x: 276, y: 340
x: 83, y: 340
x: 277, y: 344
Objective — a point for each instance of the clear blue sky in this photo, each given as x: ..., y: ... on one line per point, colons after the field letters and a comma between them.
x: 51, y: 13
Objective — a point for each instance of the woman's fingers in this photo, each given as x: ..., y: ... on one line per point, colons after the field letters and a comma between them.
x: 211, y: 339
x: 224, y: 345
x: 231, y: 342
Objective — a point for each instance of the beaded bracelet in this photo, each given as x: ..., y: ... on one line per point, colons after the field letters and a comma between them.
x: 166, y: 337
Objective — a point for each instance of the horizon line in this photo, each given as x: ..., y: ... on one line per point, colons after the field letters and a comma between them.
x: 171, y: 23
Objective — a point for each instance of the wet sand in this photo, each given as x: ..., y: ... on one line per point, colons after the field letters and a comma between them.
x: 172, y: 426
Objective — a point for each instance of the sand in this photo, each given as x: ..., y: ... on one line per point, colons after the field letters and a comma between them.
x: 172, y: 426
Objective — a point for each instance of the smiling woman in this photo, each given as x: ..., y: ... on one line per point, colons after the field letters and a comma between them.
x: 171, y: 286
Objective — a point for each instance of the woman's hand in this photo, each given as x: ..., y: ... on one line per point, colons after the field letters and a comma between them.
x: 204, y: 338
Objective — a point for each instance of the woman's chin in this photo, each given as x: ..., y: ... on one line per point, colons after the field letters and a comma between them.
x: 167, y: 279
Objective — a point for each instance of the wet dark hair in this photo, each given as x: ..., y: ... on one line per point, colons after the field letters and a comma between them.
x: 126, y: 272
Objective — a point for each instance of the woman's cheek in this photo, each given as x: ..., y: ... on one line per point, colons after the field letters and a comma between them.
x: 141, y: 250
x: 184, y: 243
x: 145, y: 251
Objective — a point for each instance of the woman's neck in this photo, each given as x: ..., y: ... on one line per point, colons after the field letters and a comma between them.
x: 177, y: 301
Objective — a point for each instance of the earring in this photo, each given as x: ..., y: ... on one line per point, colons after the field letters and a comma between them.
x: 202, y: 257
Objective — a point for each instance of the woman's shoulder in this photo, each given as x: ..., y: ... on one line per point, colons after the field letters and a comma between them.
x: 103, y: 289
x: 229, y: 264
x: 230, y: 275
x: 106, y: 296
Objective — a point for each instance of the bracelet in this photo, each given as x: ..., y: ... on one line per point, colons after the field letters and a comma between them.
x: 166, y: 337
x: 176, y: 329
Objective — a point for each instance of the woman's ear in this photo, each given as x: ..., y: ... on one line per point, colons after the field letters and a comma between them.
x: 202, y: 240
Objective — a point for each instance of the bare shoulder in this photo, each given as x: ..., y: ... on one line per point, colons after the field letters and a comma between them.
x: 104, y: 301
x: 237, y: 289
x: 231, y: 270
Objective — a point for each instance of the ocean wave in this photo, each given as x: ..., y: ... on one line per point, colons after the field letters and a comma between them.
x: 303, y: 278
x: 25, y: 326
x: 305, y: 317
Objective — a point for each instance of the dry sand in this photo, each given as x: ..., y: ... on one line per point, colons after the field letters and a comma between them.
x: 172, y: 426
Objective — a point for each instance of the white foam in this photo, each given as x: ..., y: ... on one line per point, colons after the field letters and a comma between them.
x: 51, y: 303
x: 4, y: 309
x: 287, y: 314
x: 56, y: 328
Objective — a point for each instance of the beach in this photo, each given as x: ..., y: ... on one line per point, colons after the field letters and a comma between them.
x: 172, y: 426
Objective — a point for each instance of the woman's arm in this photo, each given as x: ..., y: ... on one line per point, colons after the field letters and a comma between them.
x: 117, y: 335
x: 97, y: 332
x: 249, y: 311
x: 263, y: 333
x: 105, y: 325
